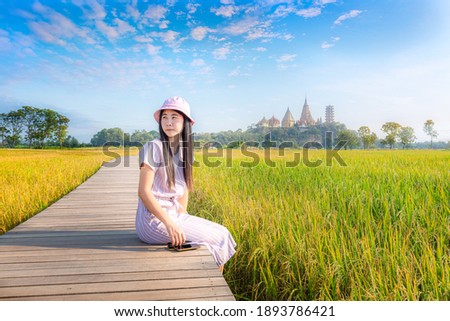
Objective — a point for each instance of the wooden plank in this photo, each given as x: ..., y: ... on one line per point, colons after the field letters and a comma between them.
x: 106, y: 277
x: 84, y: 247
x: 203, y: 294
x: 125, y: 286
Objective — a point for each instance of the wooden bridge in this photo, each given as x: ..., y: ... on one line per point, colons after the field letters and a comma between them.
x: 84, y: 247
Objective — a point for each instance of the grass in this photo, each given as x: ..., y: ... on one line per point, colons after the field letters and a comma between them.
x: 376, y: 229
x: 31, y: 180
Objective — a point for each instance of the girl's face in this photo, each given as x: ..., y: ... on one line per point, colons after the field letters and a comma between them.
x: 172, y: 123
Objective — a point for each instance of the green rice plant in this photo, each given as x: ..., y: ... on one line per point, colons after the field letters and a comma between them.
x: 376, y: 229
x: 31, y: 180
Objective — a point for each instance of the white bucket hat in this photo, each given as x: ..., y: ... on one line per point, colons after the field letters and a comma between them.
x: 175, y: 103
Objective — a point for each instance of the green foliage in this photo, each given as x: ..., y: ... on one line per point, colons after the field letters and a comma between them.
x: 348, y: 136
x: 117, y: 137
x: 406, y: 136
x: 298, y: 136
x: 108, y: 136
x: 428, y: 128
x: 142, y: 137
x: 39, y: 127
x: 367, y: 137
x: 392, y: 131
x: 71, y: 142
x: 377, y: 229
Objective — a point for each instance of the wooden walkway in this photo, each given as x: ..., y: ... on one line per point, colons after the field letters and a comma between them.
x: 84, y: 247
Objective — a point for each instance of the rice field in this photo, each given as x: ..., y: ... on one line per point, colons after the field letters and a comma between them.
x: 31, y: 180
x: 376, y: 229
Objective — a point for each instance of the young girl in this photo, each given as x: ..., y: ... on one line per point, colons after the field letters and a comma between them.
x: 164, y: 182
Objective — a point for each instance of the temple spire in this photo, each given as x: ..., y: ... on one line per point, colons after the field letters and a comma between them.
x: 306, y: 118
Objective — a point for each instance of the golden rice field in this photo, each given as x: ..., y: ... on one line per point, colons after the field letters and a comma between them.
x: 30, y: 180
x: 376, y: 229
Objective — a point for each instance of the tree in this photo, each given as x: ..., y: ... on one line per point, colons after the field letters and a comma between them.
x: 348, y: 136
x: 71, y: 142
x: 367, y: 137
x: 428, y: 128
x: 32, y: 123
x: 14, y: 125
x: 406, y: 136
x: 61, y: 129
x: 392, y: 130
x: 143, y: 136
x: 110, y: 136
x: 3, y: 129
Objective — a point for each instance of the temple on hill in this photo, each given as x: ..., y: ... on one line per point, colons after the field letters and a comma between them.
x: 306, y: 118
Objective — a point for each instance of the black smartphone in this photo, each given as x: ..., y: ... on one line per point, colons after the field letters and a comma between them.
x: 183, y: 247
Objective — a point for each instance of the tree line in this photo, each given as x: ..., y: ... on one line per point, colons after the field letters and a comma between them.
x: 117, y: 137
x: 395, y: 133
x: 257, y: 136
x: 32, y: 126
x: 37, y: 128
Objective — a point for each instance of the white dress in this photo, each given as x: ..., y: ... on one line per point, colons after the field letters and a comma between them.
x: 151, y: 230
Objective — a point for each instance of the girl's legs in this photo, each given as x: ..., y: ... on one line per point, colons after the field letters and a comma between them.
x: 216, y: 237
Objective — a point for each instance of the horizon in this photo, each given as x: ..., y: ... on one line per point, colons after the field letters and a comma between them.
x: 235, y: 62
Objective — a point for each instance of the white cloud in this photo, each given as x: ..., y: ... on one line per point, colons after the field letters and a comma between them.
x: 323, y: 2
x: 59, y: 26
x: 192, y: 7
x: 123, y: 26
x: 237, y: 72
x: 286, y: 58
x: 24, y: 14
x: 221, y: 53
x: 97, y: 11
x: 260, y: 33
x: 171, y: 3
x: 5, y: 43
x: 287, y: 36
x: 39, y: 8
x: 199, y: 33
x: 283, y: 11
x: 275, y: 2
x: 153, y: 50
x: 133, y: 12
x: 143, y: 39
x: 309, y: 13
x: 261, y: 49
x: 169, y: 37
x: 225, y: 11
x: 349, y: 15
x: 227, y: 1
x: 198, y: 63
x: 241, y: 27
x: 110, y: 32
x: 27, y: 52
x: 326, y: 45
x: 164, y: 24
x: 155, y: 13
x: 44, y: 31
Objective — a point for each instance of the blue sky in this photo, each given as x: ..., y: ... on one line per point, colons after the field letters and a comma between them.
x: 110, y: 64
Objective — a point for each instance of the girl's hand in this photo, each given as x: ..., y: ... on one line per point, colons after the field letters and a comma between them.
x: 176, y: 234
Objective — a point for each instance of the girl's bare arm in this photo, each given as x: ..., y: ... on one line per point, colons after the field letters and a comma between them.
x: 146, y: 178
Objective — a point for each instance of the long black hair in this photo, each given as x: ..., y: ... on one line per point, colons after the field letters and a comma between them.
x: 187, y: 153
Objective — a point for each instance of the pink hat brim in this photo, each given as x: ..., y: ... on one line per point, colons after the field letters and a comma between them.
x: 158, y: 112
